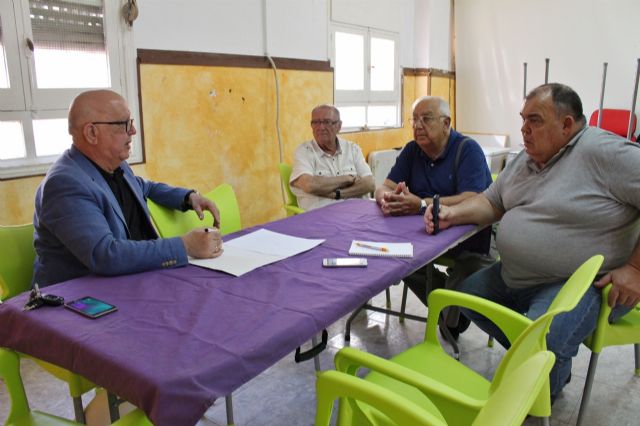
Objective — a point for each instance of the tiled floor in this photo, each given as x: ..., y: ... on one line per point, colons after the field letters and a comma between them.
x: 285, y: 394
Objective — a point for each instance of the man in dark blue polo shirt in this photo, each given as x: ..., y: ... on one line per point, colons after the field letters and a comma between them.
x: 444, y: 162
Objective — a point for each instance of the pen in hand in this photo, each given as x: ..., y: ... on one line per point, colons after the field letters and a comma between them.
x: 359, y: 244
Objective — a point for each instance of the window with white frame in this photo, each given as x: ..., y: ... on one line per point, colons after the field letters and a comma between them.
x: 50, y: 51
x: 366, y: 77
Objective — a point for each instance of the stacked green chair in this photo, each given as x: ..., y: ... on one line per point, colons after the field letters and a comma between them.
x: 625, y: 331
x: 21, y: 415
x: 174, y: 223
x: 426, y: 374
x: 291, y: 206
x: 507, y: 406
x: 16, y: 268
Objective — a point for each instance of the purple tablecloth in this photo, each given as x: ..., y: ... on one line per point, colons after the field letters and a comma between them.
x: 183, y: 337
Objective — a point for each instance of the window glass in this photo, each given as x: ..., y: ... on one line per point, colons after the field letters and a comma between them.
x: 11, y: 140
x: 51, y: 135
x: 4, y: 72
x: 382, y: 116
x: 352, y: 116
x: 349, y: 58
x: 69, y: 44
x: 382, y: 62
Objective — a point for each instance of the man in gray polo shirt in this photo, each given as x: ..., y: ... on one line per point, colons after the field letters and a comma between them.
x: 572, y: 193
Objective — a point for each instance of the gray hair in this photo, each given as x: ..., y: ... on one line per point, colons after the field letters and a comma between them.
x: 443, y: 106
x: 327, y: 106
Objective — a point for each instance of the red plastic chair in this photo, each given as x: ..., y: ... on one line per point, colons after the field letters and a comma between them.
x: 615, y: 121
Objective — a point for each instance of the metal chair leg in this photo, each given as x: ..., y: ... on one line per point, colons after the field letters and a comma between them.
x: 636, y: 349
x: 316, y: 359
x: 544, y: 421
x: 403, y: 306
x: 388, y: 294
x: 586, y: 393
x: 229, y: 404
x: 78, y: 410
x: 490, y: 342
x: 347, y: 328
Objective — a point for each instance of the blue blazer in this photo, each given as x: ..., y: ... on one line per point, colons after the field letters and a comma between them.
x: 80, y: 228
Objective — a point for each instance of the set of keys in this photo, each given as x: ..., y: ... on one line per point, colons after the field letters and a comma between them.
x: 37, y: 299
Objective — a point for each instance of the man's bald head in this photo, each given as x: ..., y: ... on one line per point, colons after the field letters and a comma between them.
x: 93, y: 105
x: 101, y: 127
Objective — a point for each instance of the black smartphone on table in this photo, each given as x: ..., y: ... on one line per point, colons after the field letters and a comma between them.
x: 90, y: 307
x: 435, y: 211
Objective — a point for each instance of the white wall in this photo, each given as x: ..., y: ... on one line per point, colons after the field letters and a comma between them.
x: 294, y: 28
x: 495, y: 37
x: 433, y: 34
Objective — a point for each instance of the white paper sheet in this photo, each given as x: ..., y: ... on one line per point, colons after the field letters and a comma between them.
x: 259, y: 248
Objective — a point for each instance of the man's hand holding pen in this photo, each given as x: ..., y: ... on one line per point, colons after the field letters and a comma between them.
x: 203, y: 243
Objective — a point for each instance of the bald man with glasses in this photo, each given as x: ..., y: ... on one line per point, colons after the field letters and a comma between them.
x: 91, y: 215
x: 327, y: 168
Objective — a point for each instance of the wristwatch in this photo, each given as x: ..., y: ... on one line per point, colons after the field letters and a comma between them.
x: 337, y: 194
x: 423, y: 207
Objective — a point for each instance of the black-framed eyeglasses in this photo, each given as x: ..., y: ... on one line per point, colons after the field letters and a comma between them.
x: 128, y: 124
x: 327, y: 123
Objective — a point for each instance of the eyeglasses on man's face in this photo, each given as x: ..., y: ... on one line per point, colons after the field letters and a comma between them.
x: 424, y: 120
x: 128, y: 124
x: 326, y: 123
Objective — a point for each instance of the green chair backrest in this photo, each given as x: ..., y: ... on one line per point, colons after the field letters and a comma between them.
x: 16, y: 259
x: 174, y: 223
x: 511, y: 402
x: 533, y: 338
x: 577, y: 285
x: 285, y: 174
x: 291, y: 207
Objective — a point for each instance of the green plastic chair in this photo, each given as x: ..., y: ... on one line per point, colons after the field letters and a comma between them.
x: 291, y: 207
x: 17, y: 255
x: 174, y: 223
x: 507, y: 406
x: 430, y: 369
x: 21, y: 415
x: 16, y: 268
x: 625, y: 331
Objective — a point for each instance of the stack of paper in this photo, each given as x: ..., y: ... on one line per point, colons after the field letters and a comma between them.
x: 259, y: 248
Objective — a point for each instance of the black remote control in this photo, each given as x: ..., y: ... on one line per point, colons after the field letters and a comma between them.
x: 435, y: 211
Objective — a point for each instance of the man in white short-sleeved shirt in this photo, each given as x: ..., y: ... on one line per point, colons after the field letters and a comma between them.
x: 327, y: 168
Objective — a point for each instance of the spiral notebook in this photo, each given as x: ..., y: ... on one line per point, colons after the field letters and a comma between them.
x: 372, y: 248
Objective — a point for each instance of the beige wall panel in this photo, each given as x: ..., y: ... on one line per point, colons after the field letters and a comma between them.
x: 206, y: 125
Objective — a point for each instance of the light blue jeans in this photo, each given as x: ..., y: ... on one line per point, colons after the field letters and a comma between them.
x: 568, y: 330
